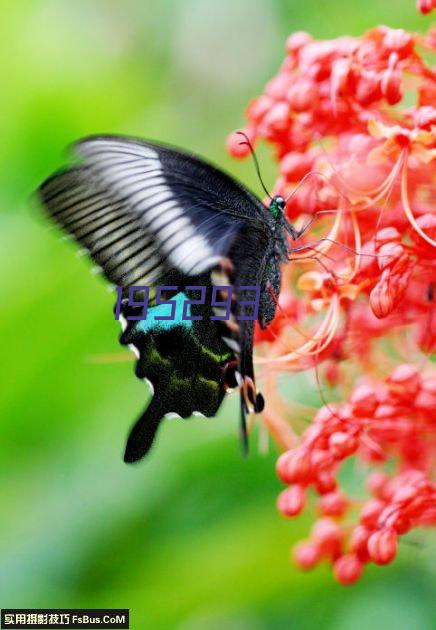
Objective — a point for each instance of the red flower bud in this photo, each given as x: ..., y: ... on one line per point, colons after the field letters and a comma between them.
x: 387, y: 235
x: 295, y: 165
x: 321, y: 459
x: 294, y: 467
x: 324, y: 414
x: 347, y: 569
x: 371, y: 511
x: 297, y: 40
x: 364, y: 400
x: 382, y: 546
x: 425, y: 6
x: 277, y: 118
x: 368, y: 89
x: 342, y: 444
x: 235, y: 144
x: 328, y: 535
x: 426, y: 402
x: 389, y: 253
x: 333, y: 504
x: 258, y: 107
x: 394, y: 519
x: 325, y: 482
x: 405, y: 494
x: 406, y: 377
x: 377, y: 484
x: 278, y: 86
x: 332, y: 373
x: 391, y: 86
x: 398, y: 40
x: 291, y: 501
x: 302, y: 95
x: 358, y: 542
x: 307, y: 555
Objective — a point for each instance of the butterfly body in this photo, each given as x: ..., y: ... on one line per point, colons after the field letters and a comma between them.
x: 152, y: 215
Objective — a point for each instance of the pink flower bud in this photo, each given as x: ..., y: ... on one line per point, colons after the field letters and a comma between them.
x: 377, y: 484
x: 278, y: 86
x: 339, y: 78
x: 407, y: 377
x: 324, y: 414
x: 405, y: 494
x: 307, y: 555
x: 358, y: 541
x: 395, y: 519
x: 333, y: 504
x: 328, y: 535
x: 391, y: 86
x: 291, y: 501
x: 332, y: 373
x: 429, y: 386
x: 258, y: 107
x: 347, y: 569
x: 386, y: 411
x: 389, y: 254
x: 368, y: 89
x: 276, y: 119
x: 235, y: 144
x: 426, y: 402
x: 425, y: 6
x: 364, y: 400
x: 325, y: 482
x: 320, y: 459
x: 371, y: 511
x: 382, y: 546
x: 381, y: 299
x: 302, y: 95
x: 297, y: 40
x: 295, y: 165
x: 342, y: 444
x: 387, y: 235
x: 398, y: 40
x: 427, y: 221
x: 294, y: 466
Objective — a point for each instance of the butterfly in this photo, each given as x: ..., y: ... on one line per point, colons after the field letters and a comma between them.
x: 149, y: 214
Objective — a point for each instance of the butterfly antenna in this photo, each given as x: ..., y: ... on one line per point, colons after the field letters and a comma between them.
x: 247, y: 143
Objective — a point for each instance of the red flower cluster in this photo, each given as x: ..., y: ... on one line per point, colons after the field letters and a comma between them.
x: 358, y: 168
x: 381, y: 421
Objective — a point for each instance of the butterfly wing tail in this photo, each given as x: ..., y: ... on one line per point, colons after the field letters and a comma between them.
x: 143, y: 433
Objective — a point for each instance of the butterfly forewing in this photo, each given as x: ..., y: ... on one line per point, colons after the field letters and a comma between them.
x: 193, y: 210
x: 104, y: 226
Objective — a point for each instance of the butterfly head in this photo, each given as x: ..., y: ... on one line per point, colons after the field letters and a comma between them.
x: 277, y: 206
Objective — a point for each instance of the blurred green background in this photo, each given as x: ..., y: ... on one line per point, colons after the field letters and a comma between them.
x: 189, y: 538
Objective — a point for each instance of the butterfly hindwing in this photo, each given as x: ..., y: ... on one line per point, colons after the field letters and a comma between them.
x: 186, y: 363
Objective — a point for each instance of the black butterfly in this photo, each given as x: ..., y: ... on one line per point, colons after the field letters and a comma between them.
x: 149, y: 214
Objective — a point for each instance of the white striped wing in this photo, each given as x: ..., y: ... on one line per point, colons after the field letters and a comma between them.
x: 171, y: 197
x: 104, y: 226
